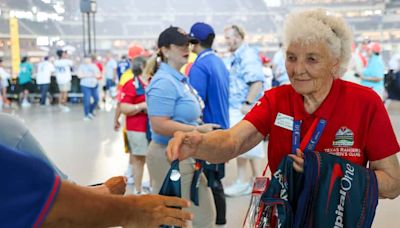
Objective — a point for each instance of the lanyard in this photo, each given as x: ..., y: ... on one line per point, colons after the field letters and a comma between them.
x: 204, y: 54
x: 311, y: 138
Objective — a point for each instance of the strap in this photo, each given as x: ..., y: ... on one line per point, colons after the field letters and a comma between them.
x: 194, y: 187
x: 311, y: 138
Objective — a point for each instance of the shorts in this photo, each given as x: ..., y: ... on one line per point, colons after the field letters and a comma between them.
x: 109, y: 83
x: 235, y: 116
x: 65, y: 87
x: 4, y: 83
x: 26, y: 86
x: 137, y: 142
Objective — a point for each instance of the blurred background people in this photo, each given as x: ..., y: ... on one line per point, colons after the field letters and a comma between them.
x: 89, y: 75
x: 43, y: 77
x: 25, y: 81
x: 63, y: 73
x: 4, y: 77
x: 246, y: 86
x: 374, y: 72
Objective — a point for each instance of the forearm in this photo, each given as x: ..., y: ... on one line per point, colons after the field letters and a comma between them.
x: 254, y: 90
x: 75, y: 206
x: 222, y: 145
x: 169, y: 127
x: 388, y: 186
x: 220, y: 141
x: 117, y: 112
x: 132, y: 109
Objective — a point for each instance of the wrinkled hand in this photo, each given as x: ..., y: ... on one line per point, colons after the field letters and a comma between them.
x: 183, y: 145
x: 245, y: 109
x: 116, y: 185
x: 156, y: 210
x: 207, y: 127
x: 298, y: 161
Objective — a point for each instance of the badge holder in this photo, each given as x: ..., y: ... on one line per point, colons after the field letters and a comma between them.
x: 261, y: 184
x: 172, y: 184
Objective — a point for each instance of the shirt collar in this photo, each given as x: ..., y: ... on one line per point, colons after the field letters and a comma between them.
x: 325, y: 110
x: 170, y: 70
x: 240, y: 49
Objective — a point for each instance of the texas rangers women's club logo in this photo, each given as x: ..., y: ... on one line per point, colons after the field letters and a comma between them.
x: 344, y: 138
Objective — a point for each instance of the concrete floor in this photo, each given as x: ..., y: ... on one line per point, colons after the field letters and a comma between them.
x: 90, y: 152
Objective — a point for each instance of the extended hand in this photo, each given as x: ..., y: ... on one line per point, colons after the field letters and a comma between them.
x: 183, y: 145
x: 156, y: 210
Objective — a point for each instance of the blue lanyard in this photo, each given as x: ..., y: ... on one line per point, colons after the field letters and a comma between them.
x: 312, y: 139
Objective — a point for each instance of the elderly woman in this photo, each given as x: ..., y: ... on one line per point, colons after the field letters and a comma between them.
x: 358, y: 129
x: 173, y: 105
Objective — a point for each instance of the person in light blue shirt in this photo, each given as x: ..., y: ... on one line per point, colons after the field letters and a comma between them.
x: 279, y: 69
x: 246, y: 86
x: 373, y: 74
x: 210, y: 77
x: 173, y: 105
x: 89, y: 75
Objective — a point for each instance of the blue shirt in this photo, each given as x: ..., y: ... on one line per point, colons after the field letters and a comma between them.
x: 123, y: 66
x: 210, y: 77
x: 245, y: 68
x: 110, y: 67
x: 375, y: 68
x: 168, y: 95
x: 28, y: 191
x: 25, y: 73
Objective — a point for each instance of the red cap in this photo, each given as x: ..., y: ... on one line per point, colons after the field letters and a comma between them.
x: 375, y: 47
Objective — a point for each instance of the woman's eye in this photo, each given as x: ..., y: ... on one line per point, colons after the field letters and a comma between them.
x: 291, y: 58
x: 312, y: 60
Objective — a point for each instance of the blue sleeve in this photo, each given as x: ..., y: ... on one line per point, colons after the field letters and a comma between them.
x: 252, y: 69
x: 161, y: 97
x: 29, y: 190
x: 198, y: 78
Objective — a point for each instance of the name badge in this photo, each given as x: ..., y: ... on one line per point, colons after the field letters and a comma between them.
x: 284, y: 121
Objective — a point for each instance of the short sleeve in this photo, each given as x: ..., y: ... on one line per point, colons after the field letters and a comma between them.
x: 381, y: 140
x: 260, y: 115
x: 29, y: 191
x: 161, y: 98
x: 252, y: 68
x: 198, y: 79
x: 128, y: 93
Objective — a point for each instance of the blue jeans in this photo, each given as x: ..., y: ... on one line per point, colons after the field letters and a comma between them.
x: 43, y: 92
x: 88, y: 92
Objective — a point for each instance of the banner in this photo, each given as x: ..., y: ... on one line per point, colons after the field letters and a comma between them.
x: 14, y: 39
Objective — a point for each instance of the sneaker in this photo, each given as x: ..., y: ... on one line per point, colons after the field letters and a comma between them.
x: 64, y: 108
x: 25, y: 104
x: 91, y: 116
x: 86, y: 119
x: 238, y: 189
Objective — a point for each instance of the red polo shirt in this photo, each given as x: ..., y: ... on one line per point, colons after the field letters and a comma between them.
x: 358, y: 126
x: 136, y: 122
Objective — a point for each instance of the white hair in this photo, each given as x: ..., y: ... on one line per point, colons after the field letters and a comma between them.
x: 318, y: 25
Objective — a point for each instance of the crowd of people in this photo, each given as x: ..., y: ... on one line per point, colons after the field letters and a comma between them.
x: 224, y: 108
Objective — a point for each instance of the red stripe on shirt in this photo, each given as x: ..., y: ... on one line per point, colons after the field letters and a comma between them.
x: 48, y: 203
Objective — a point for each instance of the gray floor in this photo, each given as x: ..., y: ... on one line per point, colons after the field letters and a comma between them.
x: 90, y: 152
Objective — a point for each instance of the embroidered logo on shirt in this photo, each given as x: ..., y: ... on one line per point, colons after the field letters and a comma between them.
x: 344, y: 138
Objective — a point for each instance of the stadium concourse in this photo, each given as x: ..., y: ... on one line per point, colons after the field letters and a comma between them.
x: 92, y: 101
x: 90, y: 153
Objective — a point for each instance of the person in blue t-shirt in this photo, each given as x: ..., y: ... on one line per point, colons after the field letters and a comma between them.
x: 123, y: 65
x: 210, y: 77
x: 173, y: 105
x: 373, y: 74
x: 34, y: 196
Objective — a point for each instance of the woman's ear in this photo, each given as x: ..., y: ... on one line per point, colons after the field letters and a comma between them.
x: 335, y: 67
